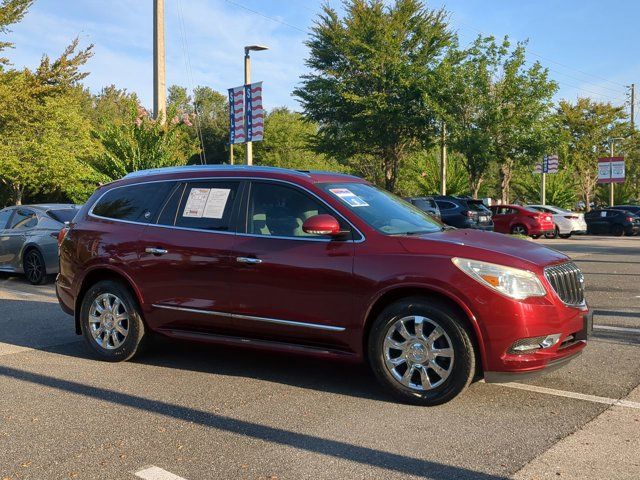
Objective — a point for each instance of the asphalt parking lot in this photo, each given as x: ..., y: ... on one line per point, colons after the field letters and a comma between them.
x: 208, y: 413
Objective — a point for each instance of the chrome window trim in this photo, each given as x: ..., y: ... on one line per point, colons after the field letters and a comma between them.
x: 310, y: 239
x: 251, y: 317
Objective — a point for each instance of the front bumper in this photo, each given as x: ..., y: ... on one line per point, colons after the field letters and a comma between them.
x: 519, y: 367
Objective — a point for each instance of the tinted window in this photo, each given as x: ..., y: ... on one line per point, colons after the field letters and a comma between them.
x: 444, y: 205
x: 135, y: 203
x: 24, y: 219
x: 424, y: 204
x: 4, y: 218
x: 170, y: 209
x: 63, y: 215
x: 277, y: 210
x: 592, y: 214
x: 207, y: 205
x: 477, y: 206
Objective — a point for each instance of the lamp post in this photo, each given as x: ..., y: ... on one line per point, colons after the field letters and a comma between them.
x: 247, y: 81
x: 612, y: 143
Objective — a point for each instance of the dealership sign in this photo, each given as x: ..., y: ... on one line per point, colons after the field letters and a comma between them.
x: 611, y: 170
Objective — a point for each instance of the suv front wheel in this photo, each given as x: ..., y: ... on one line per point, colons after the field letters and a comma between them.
x: 111, y: 321
x: 420, y: 350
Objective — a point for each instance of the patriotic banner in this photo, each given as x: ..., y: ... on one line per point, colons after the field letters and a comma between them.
x: 611, y: 170
x: 549, y: 164
x: 255, y: 112
x: 236, y: 115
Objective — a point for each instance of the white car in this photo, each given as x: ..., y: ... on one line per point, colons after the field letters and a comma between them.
x: 567, y: 223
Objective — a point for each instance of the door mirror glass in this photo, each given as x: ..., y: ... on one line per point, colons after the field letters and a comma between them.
x: 321, y: 225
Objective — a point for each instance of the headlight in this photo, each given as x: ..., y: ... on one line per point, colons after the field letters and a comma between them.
x: 512, y: 282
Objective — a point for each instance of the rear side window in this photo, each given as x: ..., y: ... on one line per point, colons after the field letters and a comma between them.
x: 133, y: 203
x: 62, y: 215
x: 24, y: 219
x: 4, y: 218
x: 444, y: 205
x: 205, y: 206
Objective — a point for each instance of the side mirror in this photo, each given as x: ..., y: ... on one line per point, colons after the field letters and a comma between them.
x: 321, y: 225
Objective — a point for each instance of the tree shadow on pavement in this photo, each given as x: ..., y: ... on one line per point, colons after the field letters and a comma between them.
x: 334, y: 448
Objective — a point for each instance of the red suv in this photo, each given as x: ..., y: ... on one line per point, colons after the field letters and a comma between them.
x: 315, y: 263
x: 521, y: 220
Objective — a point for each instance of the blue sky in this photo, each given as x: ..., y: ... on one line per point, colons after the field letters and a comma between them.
x: 590, y: 46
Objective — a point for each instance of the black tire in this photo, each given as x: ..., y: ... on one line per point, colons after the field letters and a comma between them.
x: 617, y: 230
x: 515, y: 228
x: 535, y: 237
x: 462, y: 368
x: 565, y: 235
x: 555, y: 234
x: 34, y: 267
x: 135, y: 337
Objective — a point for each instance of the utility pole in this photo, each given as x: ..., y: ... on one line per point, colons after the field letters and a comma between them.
x: 544, y: 188
x: 159, y: 66
x: 633, y: 106
x: 443, y: 159
x: 611, y: 184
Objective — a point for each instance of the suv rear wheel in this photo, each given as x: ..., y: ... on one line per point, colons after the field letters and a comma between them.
x: 111, y: 321
x: 421, y: 351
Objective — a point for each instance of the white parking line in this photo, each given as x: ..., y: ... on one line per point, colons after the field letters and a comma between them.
x: 17, y: 292
x: 577, y: 396
x: 617, y: 329
x: 156, y: 473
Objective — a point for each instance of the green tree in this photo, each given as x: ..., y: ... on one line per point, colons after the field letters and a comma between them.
x: 11, y: 11
x: 373, y: 74
x: 141, y: 143
x: 286, y: 143
x: 498, y: 109
x: 210, y: 112
x: 586, y: 128
x: 421, y: 174
x: 45, y: 134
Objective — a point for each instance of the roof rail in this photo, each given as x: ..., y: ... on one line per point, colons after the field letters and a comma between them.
x: 211, y: 168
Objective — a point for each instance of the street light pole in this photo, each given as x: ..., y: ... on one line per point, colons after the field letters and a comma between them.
x: 247, y: 81
x: 611, y: 174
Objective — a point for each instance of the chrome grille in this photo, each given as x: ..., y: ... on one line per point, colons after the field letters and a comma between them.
x: 567, y: 281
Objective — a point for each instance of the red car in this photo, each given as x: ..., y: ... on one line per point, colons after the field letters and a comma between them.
x: 516, y: 219
x: 315, y: 263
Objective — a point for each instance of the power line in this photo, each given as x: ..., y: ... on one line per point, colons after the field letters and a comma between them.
x: 265, y: 16
x: 554, y: 61
x: 187, y: 61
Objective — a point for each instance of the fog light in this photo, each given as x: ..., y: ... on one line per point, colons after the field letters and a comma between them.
x: 530, y: 345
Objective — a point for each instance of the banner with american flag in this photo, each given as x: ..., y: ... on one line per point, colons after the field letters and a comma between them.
x: 236, y: 115
x: 549, y: 164
x: 255, y: 112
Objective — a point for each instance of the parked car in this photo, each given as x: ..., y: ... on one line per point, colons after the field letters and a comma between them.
x: 612, y: 222
x: 462, y: 212
x: 28, y: 239
x: 635, y: 209
x: 519, y: 220
x: 323, y: 264
x: 566, y: 223
x: 426, y: 204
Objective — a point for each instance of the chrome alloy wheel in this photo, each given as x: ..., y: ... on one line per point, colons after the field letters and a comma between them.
x: 418, y: 353
x: 108, y: 321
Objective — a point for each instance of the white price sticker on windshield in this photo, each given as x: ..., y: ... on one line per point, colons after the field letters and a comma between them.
x: 206, y: 203
x: 348, y: 197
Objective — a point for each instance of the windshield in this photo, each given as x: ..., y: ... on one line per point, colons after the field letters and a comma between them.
x: 63, y: 215
x: 382, y: 210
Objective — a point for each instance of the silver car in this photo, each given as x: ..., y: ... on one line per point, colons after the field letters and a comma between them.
x: 28, y: 239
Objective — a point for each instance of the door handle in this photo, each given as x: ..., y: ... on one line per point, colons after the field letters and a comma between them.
x: 249, y: 260
x: 156, y: 251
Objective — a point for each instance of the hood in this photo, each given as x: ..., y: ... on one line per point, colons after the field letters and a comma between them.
x: 487, y: 246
